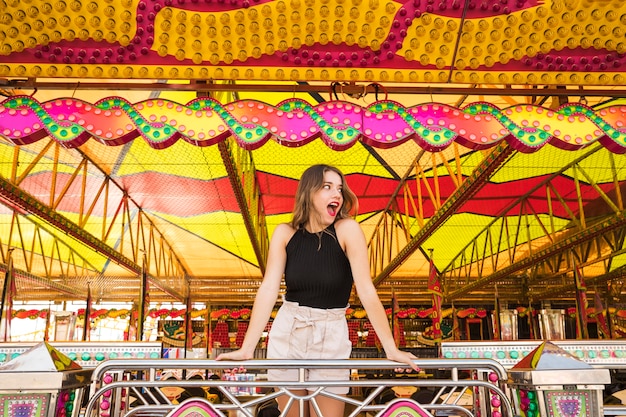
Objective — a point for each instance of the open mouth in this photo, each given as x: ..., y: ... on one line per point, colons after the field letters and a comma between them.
x: 332, y: 209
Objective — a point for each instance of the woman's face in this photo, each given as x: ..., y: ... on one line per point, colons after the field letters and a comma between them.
x: 327, y: 201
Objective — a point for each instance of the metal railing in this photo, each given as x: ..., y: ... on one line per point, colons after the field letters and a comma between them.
x: 454, y: 387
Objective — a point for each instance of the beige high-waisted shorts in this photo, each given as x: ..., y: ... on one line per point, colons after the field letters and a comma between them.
x: 309, y: 333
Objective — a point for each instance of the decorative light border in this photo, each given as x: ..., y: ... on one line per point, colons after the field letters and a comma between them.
x: 243, y: 313
x: 115, y: 121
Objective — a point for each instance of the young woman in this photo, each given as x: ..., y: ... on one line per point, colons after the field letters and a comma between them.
x: 321, y: 254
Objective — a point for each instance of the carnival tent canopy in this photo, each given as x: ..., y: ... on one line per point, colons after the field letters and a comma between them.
x: 164, y: 140
x: 197, y: 218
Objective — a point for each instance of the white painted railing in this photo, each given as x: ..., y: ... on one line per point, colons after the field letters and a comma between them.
x: 456, y: 387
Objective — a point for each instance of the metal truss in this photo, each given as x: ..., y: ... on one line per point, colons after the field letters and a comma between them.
x: 121, y: 232
x: 506, y: 90
x: 542, y: 262
x: 242, y: 175
x: 396, y: 226
x: 524, y: 265
x: 24, y: 243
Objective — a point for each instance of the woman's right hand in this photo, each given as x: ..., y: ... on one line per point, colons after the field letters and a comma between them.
x: 235, y: 355
x: 403, y: 357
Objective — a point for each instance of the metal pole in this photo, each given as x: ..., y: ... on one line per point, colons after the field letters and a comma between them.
x: 144, y: 300
x: 8, y: 291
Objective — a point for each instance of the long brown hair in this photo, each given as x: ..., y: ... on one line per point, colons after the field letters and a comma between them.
x: 312, y: 180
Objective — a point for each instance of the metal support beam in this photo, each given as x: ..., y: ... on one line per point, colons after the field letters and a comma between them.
x: 470, y: 186
x: 348, y: 88
x: 240, y: 168
x: 13, y: 196
x: 526, y: 263
x: 466, y: 272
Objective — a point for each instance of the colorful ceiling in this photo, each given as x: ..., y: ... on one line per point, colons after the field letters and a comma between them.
x: 199, y: 213
x: 521, y: 42
x: 168, y: 137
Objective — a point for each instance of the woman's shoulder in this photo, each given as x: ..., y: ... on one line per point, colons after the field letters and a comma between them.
x: 281, y: 236
x: 284, y: 228
x: 349, y: 232
x: 284, y: 231
x: 346, y: 223
x: 347, y: 227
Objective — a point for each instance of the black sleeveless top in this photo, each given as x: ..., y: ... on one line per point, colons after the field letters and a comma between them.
x: 317, y: 273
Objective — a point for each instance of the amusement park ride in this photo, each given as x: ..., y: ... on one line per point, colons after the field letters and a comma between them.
x: 149, y: 148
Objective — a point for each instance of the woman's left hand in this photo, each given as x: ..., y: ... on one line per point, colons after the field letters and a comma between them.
x: 403, y: 357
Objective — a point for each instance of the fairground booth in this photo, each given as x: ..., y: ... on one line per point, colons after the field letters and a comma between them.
x: 149, y: 149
